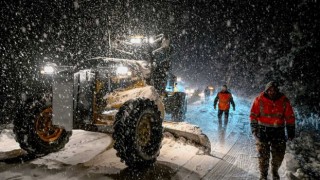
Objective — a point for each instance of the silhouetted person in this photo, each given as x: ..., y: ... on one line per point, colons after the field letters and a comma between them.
x: 206, y: 93
x: 225, y: 98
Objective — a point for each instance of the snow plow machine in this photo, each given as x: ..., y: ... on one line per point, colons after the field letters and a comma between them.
x: 120, y: 96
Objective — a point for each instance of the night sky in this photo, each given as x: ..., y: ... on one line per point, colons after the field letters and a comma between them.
x: 240, y: 43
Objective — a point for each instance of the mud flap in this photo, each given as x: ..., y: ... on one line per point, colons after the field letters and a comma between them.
x: 62, y: 101
x: 190, y: 132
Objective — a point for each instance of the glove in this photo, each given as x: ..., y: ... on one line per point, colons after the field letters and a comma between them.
x: 234, y: 108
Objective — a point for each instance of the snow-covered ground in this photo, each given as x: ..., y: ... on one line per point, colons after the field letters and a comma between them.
x: 90, y: 155
x: 231, y: 142
x: 302, y: 159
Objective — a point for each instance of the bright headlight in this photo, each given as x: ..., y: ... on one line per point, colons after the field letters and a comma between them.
x: 48, y: 70
x: 136, y: 40
x: 122, y: 70
x: 151, y: 40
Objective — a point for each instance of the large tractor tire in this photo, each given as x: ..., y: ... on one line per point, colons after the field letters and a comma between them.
x: 35, y: 132
x: 179, y: 107
x: 138, y: 133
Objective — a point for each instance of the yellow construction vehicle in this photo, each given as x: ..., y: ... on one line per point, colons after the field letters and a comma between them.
x: 102, y: 94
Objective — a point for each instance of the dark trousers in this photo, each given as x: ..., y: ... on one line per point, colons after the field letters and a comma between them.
x: 277, y: 150
x: 271, y: 140
x: 226, y: 115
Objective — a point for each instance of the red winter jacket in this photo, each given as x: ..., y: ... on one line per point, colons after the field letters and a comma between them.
x: 272, y: 113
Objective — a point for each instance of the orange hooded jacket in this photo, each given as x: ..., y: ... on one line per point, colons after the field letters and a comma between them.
x: 272, y: 113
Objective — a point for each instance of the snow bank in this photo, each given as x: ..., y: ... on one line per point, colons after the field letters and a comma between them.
x: 312, y: 121
x: 7, y: 141
x: 303, y: 156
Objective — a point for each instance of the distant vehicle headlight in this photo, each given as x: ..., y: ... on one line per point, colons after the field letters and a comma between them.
x: 201, y: 95
x: 189, y: 91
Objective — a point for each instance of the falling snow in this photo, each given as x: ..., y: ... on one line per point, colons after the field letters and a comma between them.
x: 241, y: 44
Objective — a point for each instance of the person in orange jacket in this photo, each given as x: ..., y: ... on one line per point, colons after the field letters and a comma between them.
x: 225, y: 98
x: 270, y: 117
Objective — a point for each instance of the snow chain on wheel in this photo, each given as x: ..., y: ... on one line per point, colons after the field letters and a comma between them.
x: 34, y: 131
x: 138, y: 133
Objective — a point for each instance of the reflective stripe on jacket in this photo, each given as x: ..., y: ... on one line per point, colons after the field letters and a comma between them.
x: 272, y: 113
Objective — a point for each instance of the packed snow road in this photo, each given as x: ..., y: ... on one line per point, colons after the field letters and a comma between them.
x: 90, y: 155
x: 231, y: 143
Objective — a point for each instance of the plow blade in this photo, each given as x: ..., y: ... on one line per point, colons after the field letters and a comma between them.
x: 190, y: 132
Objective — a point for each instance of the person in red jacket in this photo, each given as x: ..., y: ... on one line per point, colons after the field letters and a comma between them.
x: 225, y: 98
x: 271, y: 117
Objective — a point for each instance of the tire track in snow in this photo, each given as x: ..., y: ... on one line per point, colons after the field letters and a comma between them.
x: 236, y: 163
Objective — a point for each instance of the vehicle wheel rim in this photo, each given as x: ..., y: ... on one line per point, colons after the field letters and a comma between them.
x: 44, y: 128
x: 144, y: 130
